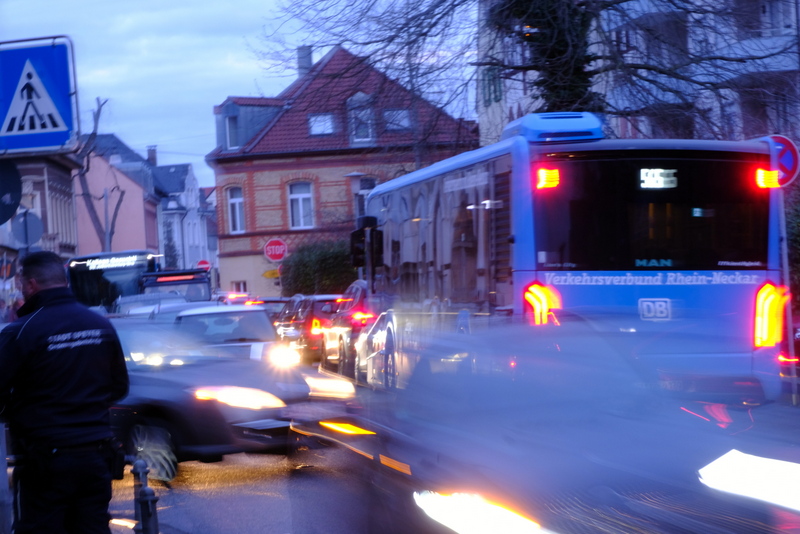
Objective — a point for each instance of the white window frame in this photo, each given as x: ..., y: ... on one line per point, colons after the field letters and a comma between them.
x: 362, y: 114
x: 397, y: 120
x: 236, y: 224
x: 232, y: 131
x: 305, y: 210
x: 321, y: 124
x: 239, y: 286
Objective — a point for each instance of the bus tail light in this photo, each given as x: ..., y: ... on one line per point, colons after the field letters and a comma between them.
x: 543, y: 299
x: 767, y: 179
x: 547, y: 178
x: 769, y: 315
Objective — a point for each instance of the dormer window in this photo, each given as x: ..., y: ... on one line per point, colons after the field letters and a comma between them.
x: 320, y: 123
x: 361, y: 121
x: 397, y: 120
x: 232, y: 131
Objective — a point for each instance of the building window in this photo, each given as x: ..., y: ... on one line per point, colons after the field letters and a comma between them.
x: 492, y: 86
x: 232, y: 131
x: 397, y: 120
x: 300, y: 208
x: 235, y: 210
x: 360, y: 119
x: 320, y: 123
x: 361, y: 125
x: 239, y: 287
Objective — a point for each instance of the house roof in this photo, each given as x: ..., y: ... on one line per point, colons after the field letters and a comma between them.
x: 172, y: 178
x: 336, y: 79
x: 162, y: 179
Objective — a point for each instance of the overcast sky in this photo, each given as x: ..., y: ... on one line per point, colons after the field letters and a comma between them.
x: 162, y: 65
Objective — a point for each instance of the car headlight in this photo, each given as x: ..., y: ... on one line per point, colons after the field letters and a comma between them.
x: 764, y: 479
x: 467, y: 513
x: 238, y: 397
x: 283, y: 356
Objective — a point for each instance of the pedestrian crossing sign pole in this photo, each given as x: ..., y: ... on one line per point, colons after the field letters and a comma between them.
x: 38, y: 97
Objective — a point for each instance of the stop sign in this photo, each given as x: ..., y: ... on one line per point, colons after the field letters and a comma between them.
x: 275, y: 249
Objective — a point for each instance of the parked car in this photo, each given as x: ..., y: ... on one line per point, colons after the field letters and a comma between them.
x: 305, y: 325
x: 351, y: 316
x: 190, y: 401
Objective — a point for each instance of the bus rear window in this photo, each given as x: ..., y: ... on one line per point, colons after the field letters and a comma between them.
x: 652, y: 212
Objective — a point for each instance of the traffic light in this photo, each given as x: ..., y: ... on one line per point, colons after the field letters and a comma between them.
x: 358, y: 247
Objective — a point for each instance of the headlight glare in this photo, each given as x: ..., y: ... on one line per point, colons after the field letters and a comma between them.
x: 238, y: 397
x: 283, y: 356
x: 467, y: 514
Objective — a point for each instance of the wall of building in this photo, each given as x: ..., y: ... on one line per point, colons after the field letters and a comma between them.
x: 131, y: 230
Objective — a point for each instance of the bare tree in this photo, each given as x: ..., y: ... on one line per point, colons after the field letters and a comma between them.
x: 104, y: 234
x: 688, y: 66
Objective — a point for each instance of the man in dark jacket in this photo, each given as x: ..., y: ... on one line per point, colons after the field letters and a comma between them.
x: 61, y: 368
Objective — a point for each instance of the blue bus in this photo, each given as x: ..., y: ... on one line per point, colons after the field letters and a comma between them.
x: 671, y: 247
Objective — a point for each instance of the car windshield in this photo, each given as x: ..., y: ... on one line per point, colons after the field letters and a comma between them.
x: 149, y: 344
x: 227, y: 326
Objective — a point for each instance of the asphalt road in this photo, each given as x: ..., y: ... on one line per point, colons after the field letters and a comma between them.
x: 248, y: 493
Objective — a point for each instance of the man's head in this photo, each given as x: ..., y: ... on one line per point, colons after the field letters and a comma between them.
x: 42, y: 270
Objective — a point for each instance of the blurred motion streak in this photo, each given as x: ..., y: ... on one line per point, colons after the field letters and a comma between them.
x: 396, y: 465
x: 468, y: 514
x: 764, y: 479
x: 330, y: 387
x: 346, y: 428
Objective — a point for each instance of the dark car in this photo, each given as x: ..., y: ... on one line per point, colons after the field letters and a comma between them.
x: 550, y: 429
x: 188, y: 401
x: 351, y: 316
x: 305, y: 326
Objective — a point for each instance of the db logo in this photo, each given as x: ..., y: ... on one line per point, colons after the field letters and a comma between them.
x: 655, y: 309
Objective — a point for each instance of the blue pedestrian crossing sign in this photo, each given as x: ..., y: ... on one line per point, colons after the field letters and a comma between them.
x: 38, y: 98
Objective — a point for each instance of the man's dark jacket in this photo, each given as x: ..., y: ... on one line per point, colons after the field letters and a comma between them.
x: 61, y: 368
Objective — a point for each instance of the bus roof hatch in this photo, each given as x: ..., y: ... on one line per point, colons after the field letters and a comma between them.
x: 556, y: 127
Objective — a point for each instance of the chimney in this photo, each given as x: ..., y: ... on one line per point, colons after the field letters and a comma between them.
x: 303, y: 60
x: 151, y: 155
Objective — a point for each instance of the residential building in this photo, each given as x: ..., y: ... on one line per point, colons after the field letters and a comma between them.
x: 47, y: 200
x: 117, y: 202
x: 126, y: 201
x: 735, y: 99
x: 298, y: 166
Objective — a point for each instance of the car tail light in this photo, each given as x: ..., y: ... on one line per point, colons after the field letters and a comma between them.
x: 316, y: 327
x: 543, y: 299
x: 361, y: 318
x: 769, y: 315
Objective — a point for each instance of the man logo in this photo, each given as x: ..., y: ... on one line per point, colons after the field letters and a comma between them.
x: 655, y: 309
